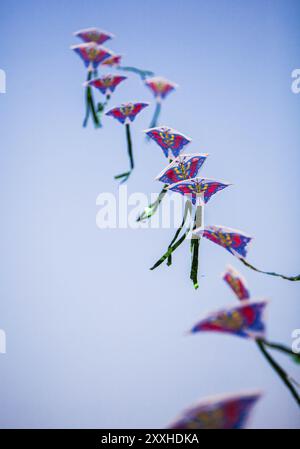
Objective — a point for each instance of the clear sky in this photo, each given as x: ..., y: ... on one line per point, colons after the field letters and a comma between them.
x: 94, y: 339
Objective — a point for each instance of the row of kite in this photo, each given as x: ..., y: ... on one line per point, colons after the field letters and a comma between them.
x: 182, y: 176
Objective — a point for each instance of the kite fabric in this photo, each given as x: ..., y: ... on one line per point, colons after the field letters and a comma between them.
x: 226, y: 412
x: 106, y: 85
x: 92, y: 55
x: 125, y: 114
x: 94, y: 35
x: 245, y: 320
x: 160, y: 88
x: 236, y: 243
x: 182, y: 167
x: 237, y: 283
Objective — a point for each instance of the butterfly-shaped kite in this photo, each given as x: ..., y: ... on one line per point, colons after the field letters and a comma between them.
x: 170, y: 140
x: 94, y: 35
x: 245, y: 320
x: 160, y: 88
x: 200, y: 188
x: 92, y: 55
x: 225, y: 412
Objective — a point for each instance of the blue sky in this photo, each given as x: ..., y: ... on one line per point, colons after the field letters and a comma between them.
x: 94, y: 339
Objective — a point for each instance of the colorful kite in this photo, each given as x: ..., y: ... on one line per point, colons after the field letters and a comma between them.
x: 237, y: 283
x: 170, y: 140
x: 236, y: 243
x: 94, y: 35
x: 232, y: 240
x: 245, y: 320
x: 181, y: 168
x: 226, y: 412
x: 198, y: 191
x: 106, y: 85
x: 92, y: 55
x: 113, y: 61
x: 198, y: 188
x: 160, y: 88
x: 125, y: 114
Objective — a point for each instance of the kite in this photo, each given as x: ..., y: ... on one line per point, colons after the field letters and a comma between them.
x: 92, y: 55
x: 199, y: 191
x: 94, y: 35
x: 170, y: 140
x: 160, y: 88
x: 237, y: 283
x: 113, y: 61
x: 225, y: 412
x: 182, y: 167
x: 236, y: 243
x: 106, y: 85
x: 245, y: 320
x: 200, y: 188
x: 232, y: 240
x: 125, y: 114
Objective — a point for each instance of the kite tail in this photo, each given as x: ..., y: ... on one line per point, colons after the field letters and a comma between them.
x: 286, y: 379
x: 101, y: 108
x: 90, y: 106
x: 155, y: 117
x: 142, y: 73
x: 288, y: 278
x: 124, y: 176
x: 149, y: 211
x: 283, y: 349
x: 195, y: 243
x: 175, y: 243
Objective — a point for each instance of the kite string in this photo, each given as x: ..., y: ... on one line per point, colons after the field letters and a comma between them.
x: 289, y: 278
x: 277, y: 368
x: 155, y: 117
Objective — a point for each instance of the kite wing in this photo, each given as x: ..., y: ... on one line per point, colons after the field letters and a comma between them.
x: 168, y: 139
x: 227, y: 412
x: 246, y: 320
x: 183, y: 167
x: 237, y: 283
